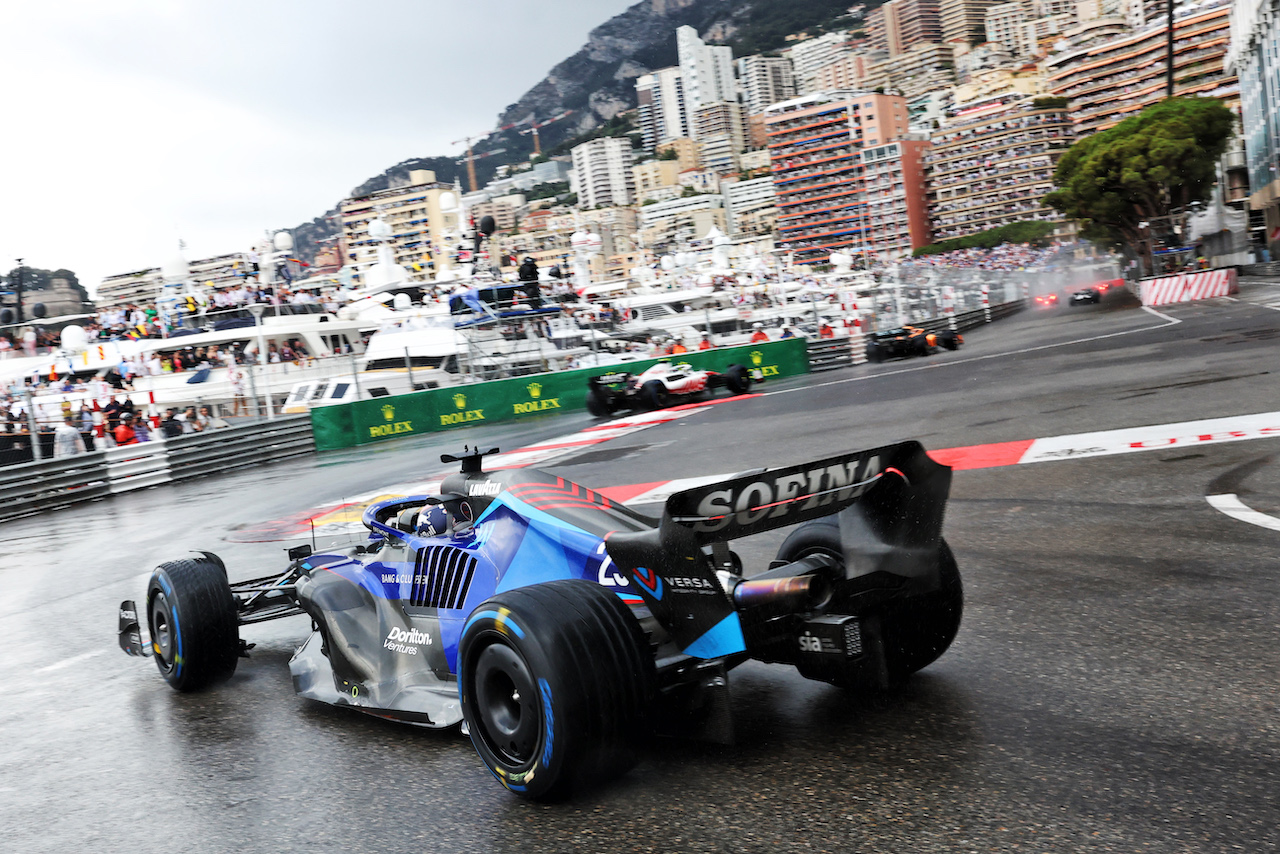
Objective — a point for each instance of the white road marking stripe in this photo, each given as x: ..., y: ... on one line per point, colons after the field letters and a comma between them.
x: 67, y: 662
x: 1229, y: 504
x: 1158, y: 437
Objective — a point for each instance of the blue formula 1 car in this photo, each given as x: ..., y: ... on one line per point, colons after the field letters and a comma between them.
x: 561, y: 629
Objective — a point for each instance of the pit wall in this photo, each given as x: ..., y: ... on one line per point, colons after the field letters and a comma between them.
x: 367, y: 421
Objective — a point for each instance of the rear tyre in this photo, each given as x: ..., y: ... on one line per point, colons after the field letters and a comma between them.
x: 655, y: 395
x: 194, y: 626
x: 556, y: 681
x: 917, y: 630
x: 737, y: 379
x: 875, y: 353
x: 598, y: 403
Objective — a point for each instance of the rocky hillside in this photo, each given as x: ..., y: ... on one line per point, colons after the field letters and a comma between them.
x: 598, y: 82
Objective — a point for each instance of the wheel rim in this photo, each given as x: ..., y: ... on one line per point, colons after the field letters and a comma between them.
x: 507, y: 710
x: 162, y: 631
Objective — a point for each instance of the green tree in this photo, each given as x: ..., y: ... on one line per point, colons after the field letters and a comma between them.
x: 1147, y: 169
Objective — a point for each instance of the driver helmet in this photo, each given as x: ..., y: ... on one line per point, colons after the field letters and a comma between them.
x: 433, y: 521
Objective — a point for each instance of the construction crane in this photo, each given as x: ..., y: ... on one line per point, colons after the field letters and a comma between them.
x: 533, y: 129
x: 471, y: 159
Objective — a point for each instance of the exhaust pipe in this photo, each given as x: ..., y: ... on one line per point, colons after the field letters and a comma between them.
x: 792, y: 593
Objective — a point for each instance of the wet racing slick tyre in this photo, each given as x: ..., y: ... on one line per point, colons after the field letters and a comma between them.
x: 556, y: 681
x: 194, y: 626
x: 598, y: 403
x: 655, y: 395
x: 737, y: 379
x: 917, y: 630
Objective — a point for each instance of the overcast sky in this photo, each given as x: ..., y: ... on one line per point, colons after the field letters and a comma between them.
x: 128, y: 124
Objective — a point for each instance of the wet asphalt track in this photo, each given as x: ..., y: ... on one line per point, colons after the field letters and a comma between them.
x: 1113, y: 686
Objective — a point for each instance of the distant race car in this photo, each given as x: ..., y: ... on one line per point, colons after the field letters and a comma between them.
x: 1085, y: 296
x: 1046, y: 300
x: 559, y: 628
x: 910, y: 341
x: 662, y: 385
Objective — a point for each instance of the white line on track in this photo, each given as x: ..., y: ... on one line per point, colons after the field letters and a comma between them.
x: 1229, y: 504
x: 1172, y: 321
x: 68, y: 662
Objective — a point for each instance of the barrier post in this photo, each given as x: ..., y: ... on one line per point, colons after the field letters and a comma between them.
x: 986, y: 303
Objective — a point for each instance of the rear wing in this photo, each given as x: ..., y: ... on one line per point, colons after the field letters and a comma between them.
x: 777, y: 498
x: 889, y: 502
x: 609, y: 379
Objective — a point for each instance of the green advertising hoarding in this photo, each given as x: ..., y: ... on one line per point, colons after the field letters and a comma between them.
x: 348, y: 424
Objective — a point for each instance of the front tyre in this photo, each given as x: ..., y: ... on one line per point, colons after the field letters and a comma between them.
x: 655, y: 395
x: 556, y: 681
x: 194, y: 626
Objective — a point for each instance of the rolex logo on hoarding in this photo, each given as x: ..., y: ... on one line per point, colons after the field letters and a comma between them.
x: 460, y: 401
x: 757, y: 358
x: 388, y: 412
x: 535, y: 390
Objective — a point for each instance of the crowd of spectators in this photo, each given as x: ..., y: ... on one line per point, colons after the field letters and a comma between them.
x: 1006, y: 256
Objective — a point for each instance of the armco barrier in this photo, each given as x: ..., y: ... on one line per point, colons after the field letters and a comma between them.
x: 366, y: 421
x: 34, y: 487
x: 197, y: 454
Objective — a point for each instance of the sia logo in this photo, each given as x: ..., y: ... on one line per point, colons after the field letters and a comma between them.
x: 757, y: 358
x: 388, y: 412
x: 535, y: 390
x: 460, y: 401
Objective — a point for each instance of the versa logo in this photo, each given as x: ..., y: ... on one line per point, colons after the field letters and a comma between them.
x: 649, y: 580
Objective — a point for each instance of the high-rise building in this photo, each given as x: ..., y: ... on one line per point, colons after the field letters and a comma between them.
x: 815, y: 145
x: 899, y: 24
x: 602, y: 172
x: 765, y: 80
x: 809, y: 56
x: 964, y: 20
x: 662, y: 114
x: 143, y: 286
x: 1110, y: 79
x: 1003, y: 24
x: 707, y: 70
x: 414, y: 212
x: 992, y: 163
x: 897, y: 209
x: 721, y: 133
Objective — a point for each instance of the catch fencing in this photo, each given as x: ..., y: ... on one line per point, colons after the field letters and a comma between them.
x: 50, y: 484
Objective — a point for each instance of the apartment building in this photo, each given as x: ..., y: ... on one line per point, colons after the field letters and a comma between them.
x: 815, y: 143
x: 721, y: 133
x: 808, y: 56
x: 662, y: 114
x: 765, y: 80
x: 1110, y: 79
x: 417, y: 216
x: 899, y: 24
x: 919, y: 69
x: 667, y: 224
x: 894, y: 186
x: 964, y: 20
x: 602, y: 172
x: 656, y: 180
x: 706, y: 70
x: 992, y: 163
x: 143, y: 286
x: 750, y: 206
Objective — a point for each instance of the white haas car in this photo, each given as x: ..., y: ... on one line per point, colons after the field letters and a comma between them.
x: 662, y: 385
